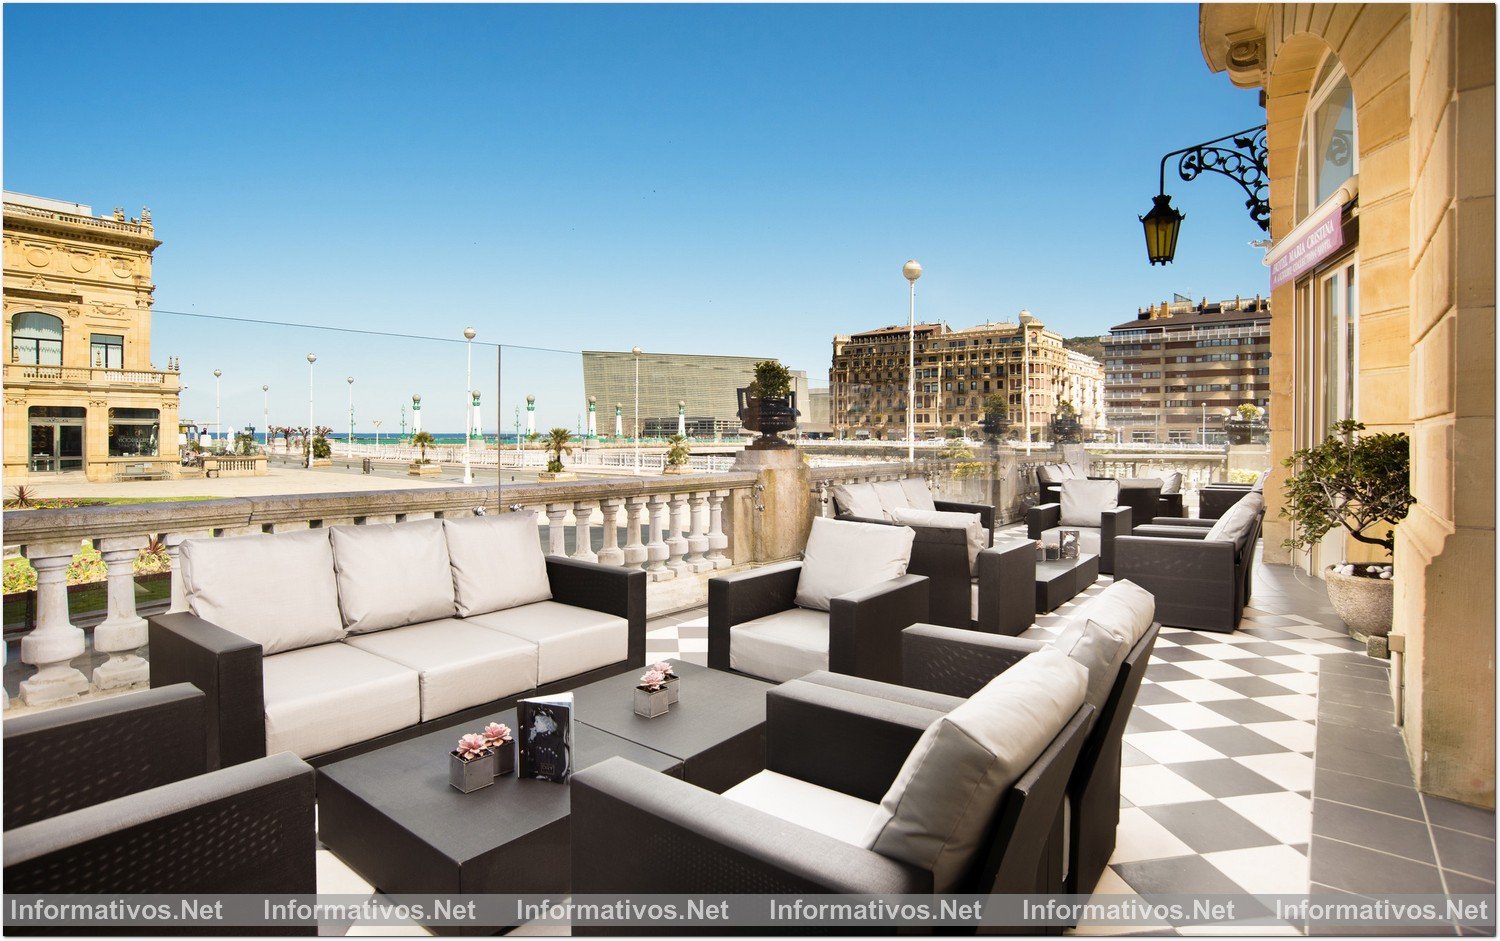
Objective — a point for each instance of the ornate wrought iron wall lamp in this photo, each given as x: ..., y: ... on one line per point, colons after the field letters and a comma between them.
x: 1241, y: 156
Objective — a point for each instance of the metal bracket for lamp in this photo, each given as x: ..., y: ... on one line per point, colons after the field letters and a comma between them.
x: 1241, y: 156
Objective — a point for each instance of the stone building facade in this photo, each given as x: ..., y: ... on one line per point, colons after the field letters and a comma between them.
x: 82, y: 395
x: 1383, y: 117
x: 1173, y: 374
x: 956, y: 371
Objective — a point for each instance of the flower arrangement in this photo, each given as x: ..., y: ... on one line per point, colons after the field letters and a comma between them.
x: 664, y: 667
x: 653, y: 680
x: 496, y: 734
x: 653, y: 692
x: 472, y: 747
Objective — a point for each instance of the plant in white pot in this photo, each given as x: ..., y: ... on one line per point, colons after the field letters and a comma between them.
x: 1362, y: 483
x: 678, y: 452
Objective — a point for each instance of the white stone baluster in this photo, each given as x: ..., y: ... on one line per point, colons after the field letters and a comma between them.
x: 54, y: 641
x: 635, y: 550
x: 174, y: 555
x: 123, y: 632
x: 717, y: 540
x: 610, y: 553
x: 583, y: 546
x: 697, y: 539
x: 656, y: 549
x: 677, y: 544
x: 556, y: 529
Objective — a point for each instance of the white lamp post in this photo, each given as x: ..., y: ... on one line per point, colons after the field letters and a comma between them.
x: 311, y: 358
x: 349, y: 442
x: 265, y: 415
x: 376, y: 423
x: 682, y: 418
x: 218, y: 434
x: 911, y: 271
x: 469, y: 334
x: 635, y: 418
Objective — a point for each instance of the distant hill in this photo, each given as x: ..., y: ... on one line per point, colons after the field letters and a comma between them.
x: 1088, y: 346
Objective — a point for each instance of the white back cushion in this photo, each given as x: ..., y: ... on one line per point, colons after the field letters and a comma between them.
x: 1084, y: 501
x: 938, y: 810
x: 918, y: 495
x: 858, y: 500
x: 1260, y: 482
x: 497, y: 562
x: 1050, y: 473
x: 842, y: 557
x: 1099, y: 650
x: 278, y: 591
x: 1124, y: 607
x: 891, y: 496
x: 970, y: 522
x: 392, y: 574
x: 1068, y: 471
x: 1235, y: 524
x: 1171, y: 481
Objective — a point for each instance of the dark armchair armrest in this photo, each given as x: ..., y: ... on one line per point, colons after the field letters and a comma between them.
x: 227, y: 668
x: 607, y: 588
x: 745, y: 596
x: 1171, y: 532
x: 836, y: 738
x: 699, y: 841
x: 1112, y: 525
x: 246, y: 829
x: 135, y: 742
x: 864, y: 627
x: 956, y: 662
x: 1007, y: 587
x: 1186, y: 521
x: 1195, y: 581
x: 1042, y: 517
x: 985, y: 511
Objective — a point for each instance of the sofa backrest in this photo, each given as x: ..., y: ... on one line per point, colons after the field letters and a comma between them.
x: 279, y: 591
x: 857, y: 500
x: 1239, y: 521
x: 392, y: 574
x: 497, y: 562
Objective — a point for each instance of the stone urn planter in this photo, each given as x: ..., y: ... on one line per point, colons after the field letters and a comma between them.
x: 769, y: 417
x: 677, y: 469
x: 1363, y: 602
x: 424, y: 470
x: 1244, y: 432
x: 557, y: 475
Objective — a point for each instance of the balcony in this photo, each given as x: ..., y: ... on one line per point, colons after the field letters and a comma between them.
x: 22, y: 374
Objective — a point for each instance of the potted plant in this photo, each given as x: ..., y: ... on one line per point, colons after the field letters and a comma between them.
x: 768, y: 405
x: 651, y: 694
x: 498, y: 737
x: 422, y: 467
x: 1362, y: 483
x: 677, y: 455
x: 558, y: 445
x: 472, y: 764
x: 1246, y: 424
x: 664, y: 667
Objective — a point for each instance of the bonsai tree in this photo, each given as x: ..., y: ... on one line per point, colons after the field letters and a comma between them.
x: 1352, y: 480
x: 678, y: 452
x: 557, y: 446
x: 423, y: 440
x: 772, y: 381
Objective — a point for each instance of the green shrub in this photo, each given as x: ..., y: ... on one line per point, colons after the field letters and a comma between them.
x: 1351, y: 480
x: 1243, y: 476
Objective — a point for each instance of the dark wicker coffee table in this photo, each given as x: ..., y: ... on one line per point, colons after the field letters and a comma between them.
x: 717, y: 731
x: 1060, y: 581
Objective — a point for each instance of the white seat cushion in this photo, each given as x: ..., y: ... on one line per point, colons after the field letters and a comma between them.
x: 858, y: 500
x: 1124, y: 607
x: 918, y: 494
x: 228, y: 583
x: 822, y: 809
x: 978, y: 536
x: 569, y: 640
x: 497, y: 562
x: 460, y: 664
x: 843, y: 556
x: 1088, y: 537
x: 938, y: 810
x: 892, y: 496
x: 1084, y: 501
x: 780, y: 646
x: 325, y: 697
x: 392, y: 574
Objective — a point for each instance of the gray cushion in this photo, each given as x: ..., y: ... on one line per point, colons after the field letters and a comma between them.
x: 843, y: 556
x: 971, y: 523
x: 278, y: 591
x: 1069, y: 472
x: 1050, y: 473
x: 1099, y: 650
x: 892, y: 496
x: 858, y: 500
x: 459, y: 664
x: 569, y: 640
x: 1171, y: 481
x: 325, y: 697
x: 1237, y: 521
x: 497, y: 562
x: 822, y: 809
x: 1124, y: 607
x: 1260, y: 482
x: 780, y: 646
x: 918, y: 494
x: 1088, y: 537
x: 1084, y: 501
x: 938, y: 810
x: 392, y: 574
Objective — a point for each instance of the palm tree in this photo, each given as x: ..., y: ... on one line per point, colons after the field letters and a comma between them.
x: 422, y: 439
x: 557, y: 446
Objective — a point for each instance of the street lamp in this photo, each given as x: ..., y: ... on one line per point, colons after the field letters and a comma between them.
x: 311, y: 358
x: 376, y: 423
x: 1162, y: 224
x: 635, y: 418
x: 349, y: 442
x: 219, y: 435
x: 265, y: 415
x: 469, y: 334
x: 1203, y: 419
x: 911, y: 271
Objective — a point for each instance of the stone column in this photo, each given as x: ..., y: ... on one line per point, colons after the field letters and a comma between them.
x: 677, y: 545
x: 656, y: 549
x: 123, y: 632
x: 174, y: 543
x: 583, y: 547
x: 635, y: 550
x: 782, y: 503
x: 610, y: 553
x: 698, y: 533
x: 717, y: 540
x: 556, y: 533
x: 54, y: 642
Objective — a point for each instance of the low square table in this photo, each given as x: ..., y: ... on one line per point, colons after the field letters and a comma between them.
x: 1060, y: 581
x: 717, y: 729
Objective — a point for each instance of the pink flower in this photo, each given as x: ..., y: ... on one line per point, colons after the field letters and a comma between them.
x: 653, y: 679
x: 496, y: 734
x: 664, y: 667
x: 472, y: 746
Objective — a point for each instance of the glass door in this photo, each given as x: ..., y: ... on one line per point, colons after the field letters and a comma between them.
x: 70, y: 447
x: 1337, y: 320
x: 56, y: 439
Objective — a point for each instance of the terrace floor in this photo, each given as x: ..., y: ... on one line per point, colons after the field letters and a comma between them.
x: 1263, y: 761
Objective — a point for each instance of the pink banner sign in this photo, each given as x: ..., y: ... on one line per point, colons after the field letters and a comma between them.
x: 1321, y: 236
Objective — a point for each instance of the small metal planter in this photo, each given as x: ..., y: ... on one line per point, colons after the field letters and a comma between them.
x: 673, y: 693
x: 505, y: 758
x: 652, y: 702
x: 472, y: 775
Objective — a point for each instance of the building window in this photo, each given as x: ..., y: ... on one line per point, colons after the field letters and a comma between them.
x: 107, y: 351
x: 1330, y: 152
x: 133, y: 432
x: 36, y: 339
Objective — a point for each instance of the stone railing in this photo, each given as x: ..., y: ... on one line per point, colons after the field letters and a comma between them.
x: 87, y: 375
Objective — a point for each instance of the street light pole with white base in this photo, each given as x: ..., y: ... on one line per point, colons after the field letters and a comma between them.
x: 911, y: 271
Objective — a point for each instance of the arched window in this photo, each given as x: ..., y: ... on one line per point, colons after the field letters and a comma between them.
x: 36, y: 339
x: 1330, y: 144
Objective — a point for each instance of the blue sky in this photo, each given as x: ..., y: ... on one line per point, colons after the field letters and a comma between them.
x: 740, y: 179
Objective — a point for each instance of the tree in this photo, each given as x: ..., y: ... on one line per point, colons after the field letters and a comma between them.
x: 423, y: 439
x: 1065, y: 426
x: 557, y: 446
x: 678, y: 452
x: 1351, y: 480
x: 996, y: 415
